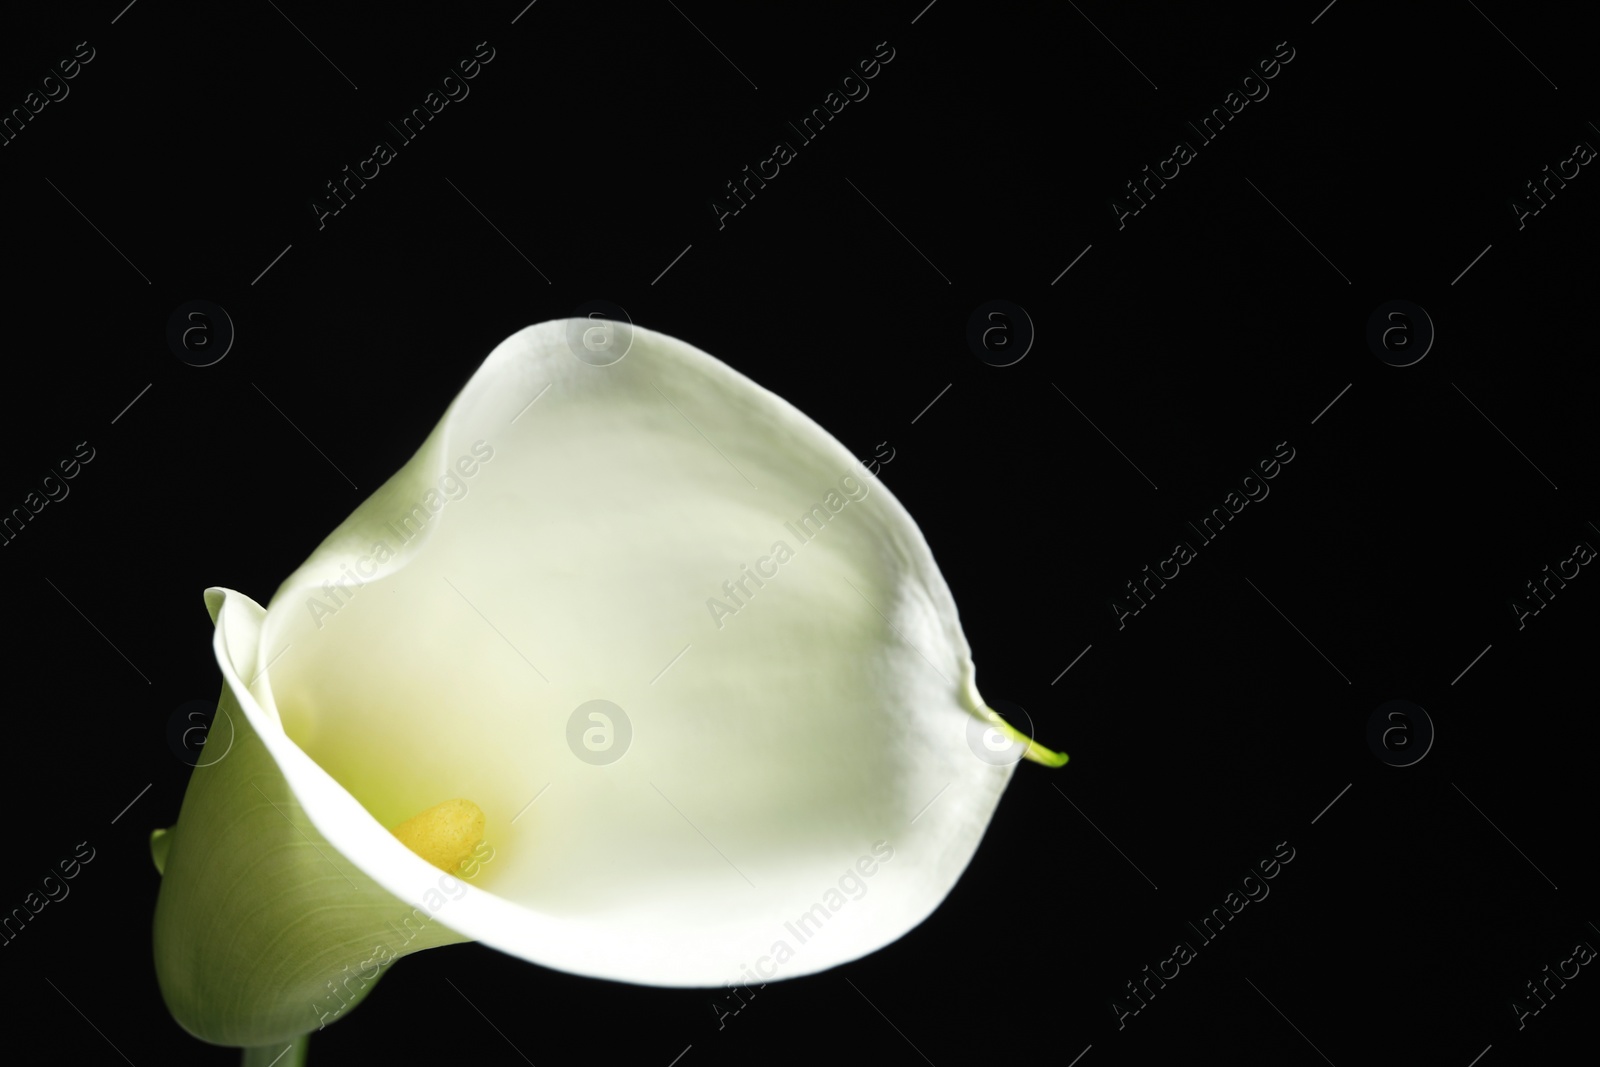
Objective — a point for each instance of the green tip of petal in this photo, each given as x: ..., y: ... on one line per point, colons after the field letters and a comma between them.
x: 1035, y: 751
x: 160, y: 843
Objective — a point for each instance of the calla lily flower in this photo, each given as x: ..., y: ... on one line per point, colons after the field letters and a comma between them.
x: 632, y: 671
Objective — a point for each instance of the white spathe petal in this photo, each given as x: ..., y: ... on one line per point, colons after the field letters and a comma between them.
x: 556, y: 541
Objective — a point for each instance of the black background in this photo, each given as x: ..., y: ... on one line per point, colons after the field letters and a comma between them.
x: 1221, y: 320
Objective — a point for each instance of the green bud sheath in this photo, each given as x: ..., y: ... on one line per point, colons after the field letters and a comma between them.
x: 263, y: 931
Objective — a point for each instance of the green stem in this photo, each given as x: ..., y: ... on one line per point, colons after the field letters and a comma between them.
x: 1035, y: 751
x: 286, y: 1055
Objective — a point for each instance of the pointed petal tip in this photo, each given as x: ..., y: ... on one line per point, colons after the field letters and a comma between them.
x: 214, y: 598
x: 160, y: 845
